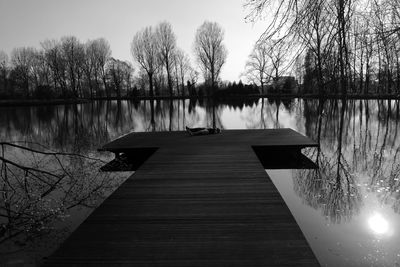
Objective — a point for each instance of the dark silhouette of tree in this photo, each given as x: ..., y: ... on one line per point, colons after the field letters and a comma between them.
x: 166, y: 42
x: 22, y: 60
x: 119, y: 73
x: 318, y: 36
x: 75, y: 67
x: 258, y: 67
x: 276, y: 53
x: 182, y: 67
x: 58, y: 68
x: 4, y: 69
x: 145, y: 51
x: 74, y: 53
x: 102, y: 55
x: 192, y: 81
x: 89, y: 66
x: 210, y: 51
x: 347, y: 42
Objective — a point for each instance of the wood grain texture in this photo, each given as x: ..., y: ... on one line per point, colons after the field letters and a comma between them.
x: 268, y: 137
x: 203, y: 202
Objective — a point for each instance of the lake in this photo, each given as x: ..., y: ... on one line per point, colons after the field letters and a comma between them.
x: 348, y: 208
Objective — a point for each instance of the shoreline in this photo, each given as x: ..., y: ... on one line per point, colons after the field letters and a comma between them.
x: 40, y: 102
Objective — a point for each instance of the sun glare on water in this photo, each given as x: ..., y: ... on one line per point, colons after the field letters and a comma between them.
x: 378, y: 224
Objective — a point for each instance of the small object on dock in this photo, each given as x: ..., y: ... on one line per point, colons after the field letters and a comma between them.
x: 202, y: 131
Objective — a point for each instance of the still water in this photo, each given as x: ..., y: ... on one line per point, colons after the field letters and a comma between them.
x: 348, y: 209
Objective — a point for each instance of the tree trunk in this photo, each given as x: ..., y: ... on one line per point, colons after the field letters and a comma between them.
x: 105, y: 86
x: 361, y: 69
x: 152, y: 121
x: 151, y: 84
x: 182, y: 86
x: 169, y: 78
x: 342, y: 47
x: 398, y: 76
x: 262, y: 89
x: 212, y: 82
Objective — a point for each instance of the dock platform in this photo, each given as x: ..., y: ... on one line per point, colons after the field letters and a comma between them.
x: 196, y: 201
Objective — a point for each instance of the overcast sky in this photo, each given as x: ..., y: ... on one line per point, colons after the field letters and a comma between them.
x: 28, y: 22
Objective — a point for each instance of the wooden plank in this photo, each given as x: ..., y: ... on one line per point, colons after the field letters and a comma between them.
x: 268, y: 137
x: 204, y: 204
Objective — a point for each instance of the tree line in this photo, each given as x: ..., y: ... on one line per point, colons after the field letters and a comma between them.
x: 332, y: 46
x: 65, y: 68
x: 69, y: 68
x: 162, y: 63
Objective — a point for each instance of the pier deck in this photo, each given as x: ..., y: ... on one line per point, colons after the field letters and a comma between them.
x: 197, y: 201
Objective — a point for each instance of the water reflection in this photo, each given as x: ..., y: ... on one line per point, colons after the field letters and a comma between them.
x: 358, y: 180
x: 359, y: 147
x: 356, y: 184
x: 378, y: 224
x: 39, y: 190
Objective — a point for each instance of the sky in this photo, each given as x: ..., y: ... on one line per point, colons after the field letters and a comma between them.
x: 29, y: 22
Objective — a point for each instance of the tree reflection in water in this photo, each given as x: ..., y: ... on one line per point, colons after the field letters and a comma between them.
x: 40, y: 187
x: 359, y: 150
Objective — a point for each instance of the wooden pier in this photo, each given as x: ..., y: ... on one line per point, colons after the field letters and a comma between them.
x: 197, y: 201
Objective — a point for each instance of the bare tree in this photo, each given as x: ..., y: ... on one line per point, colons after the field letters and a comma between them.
x: 166, y: 42
x: 277, y: 51
x: 65, y: 64
x: 74, y: 54
x: 115, y: 73
x: 210, y: 51
x: 349, y: 40
x: 182, y: 65
x: 258, y: 66
x: 343, y: 14
x: 193, y: 76
x: 300, y: 22
x: 318, y: 36
x: 55, y: 60
x: 40, y: 75
x: 119, y: 73
x: 102, y: 55
x: 128, y: 73
x: 3, y: 59
x: 22, y: 61
x: 192, y: 80
x: 89, y: 65
x: 97, y: 54
x: 3, y: 72
x: 144, y: 51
